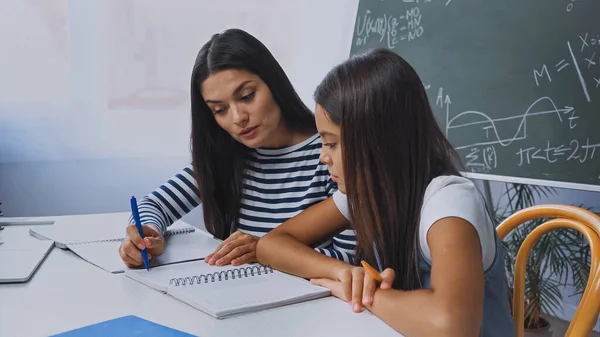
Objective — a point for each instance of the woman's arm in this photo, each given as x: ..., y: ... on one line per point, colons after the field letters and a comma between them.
x: 342, y: 247
x: 159, y: 210
x: 169, y: 202
x: 288, y: 247
x: 453, y: 305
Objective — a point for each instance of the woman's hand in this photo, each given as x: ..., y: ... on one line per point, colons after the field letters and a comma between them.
x: 237, y: 249
x: 355, y: 286
x: 132, y: 245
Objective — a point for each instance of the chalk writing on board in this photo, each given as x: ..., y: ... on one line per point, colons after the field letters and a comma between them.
x: 537, y: 74
x: 386, y: 27
x: 481, y: 159
x: 530, y: 117
x: 581, y: 80
x: 391, y: 28
x: 480, y: 156
x: 413, y: 18
x: 442, y: 101
x: 496, y: 131
x: 586, y: 62
x: 589, y: 42
x: 590, y: 60
x: 590, y: 45
x: 551, y: 153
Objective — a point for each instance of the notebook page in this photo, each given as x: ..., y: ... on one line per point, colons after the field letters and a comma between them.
x: 103, y: 254
x: 247, y: 294
x: 64, y: 234
x: 160, y: 277
x: 186, y: 247
x: 180, y: 248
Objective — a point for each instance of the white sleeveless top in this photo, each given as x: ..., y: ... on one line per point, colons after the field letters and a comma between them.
x: 448, y: 196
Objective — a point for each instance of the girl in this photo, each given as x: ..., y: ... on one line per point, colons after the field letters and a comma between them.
x: 413, y: 213
x: 255, y: 154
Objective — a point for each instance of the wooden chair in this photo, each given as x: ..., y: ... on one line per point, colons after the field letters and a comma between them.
x: 562, y: 216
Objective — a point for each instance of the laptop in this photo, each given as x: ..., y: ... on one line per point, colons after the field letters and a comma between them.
x: 19, y: 260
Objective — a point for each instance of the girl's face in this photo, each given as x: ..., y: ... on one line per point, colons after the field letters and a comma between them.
x: 331, y: 154
x: 243, y: 105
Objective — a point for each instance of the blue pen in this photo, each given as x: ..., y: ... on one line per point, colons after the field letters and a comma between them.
x: 138, y: 224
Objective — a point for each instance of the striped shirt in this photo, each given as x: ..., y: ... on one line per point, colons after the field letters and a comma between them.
x: 277, y: 185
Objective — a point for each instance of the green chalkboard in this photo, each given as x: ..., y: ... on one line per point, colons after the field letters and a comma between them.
x: 515, y: 84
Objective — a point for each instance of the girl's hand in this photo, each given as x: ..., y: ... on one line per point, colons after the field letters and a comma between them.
x: 355, y: 286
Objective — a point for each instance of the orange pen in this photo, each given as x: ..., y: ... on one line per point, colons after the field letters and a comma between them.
x: 374, y: 273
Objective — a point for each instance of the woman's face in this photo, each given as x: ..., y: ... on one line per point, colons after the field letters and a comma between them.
x: 243, y: 105
x: 331, y: 154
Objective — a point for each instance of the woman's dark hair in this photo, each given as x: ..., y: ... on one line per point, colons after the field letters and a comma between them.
x: 392, y: 148
x: 217, y: 158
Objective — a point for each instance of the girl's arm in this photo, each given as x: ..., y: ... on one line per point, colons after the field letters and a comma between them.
x: 453, y: 306
x: 288, y: 247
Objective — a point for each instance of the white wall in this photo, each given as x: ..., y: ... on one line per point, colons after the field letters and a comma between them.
x: 94, y: 95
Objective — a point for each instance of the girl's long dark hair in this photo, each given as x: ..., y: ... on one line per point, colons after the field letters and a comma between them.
x: 217, y: 158
x: 392, y: 148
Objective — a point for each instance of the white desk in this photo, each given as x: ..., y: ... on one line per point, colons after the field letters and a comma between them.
x: 66, y: 293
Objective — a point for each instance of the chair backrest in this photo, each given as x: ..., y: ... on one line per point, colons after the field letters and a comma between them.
x: 562, y: 216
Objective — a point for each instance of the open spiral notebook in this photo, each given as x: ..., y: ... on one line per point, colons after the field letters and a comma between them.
x: 228, y: 291
x: 101, y: 248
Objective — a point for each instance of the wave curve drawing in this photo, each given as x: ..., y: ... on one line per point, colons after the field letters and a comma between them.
x: 491, y: 124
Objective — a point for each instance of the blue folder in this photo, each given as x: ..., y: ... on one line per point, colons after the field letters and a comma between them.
x: 126, y: 326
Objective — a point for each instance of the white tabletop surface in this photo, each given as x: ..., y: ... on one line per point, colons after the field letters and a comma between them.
x: 66, y: 293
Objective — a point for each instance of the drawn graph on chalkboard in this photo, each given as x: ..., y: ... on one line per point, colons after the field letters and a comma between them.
x: 503, y: 131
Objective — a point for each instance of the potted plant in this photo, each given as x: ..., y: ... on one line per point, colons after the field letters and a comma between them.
x: 560, y: 258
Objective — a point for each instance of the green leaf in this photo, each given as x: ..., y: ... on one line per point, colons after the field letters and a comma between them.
x: 558, y: 256
x: 550, y: 296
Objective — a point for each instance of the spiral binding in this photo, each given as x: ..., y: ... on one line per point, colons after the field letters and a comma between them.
x: 170, y: 232
x: 93, y: 241
x: 222, y: 275
x: 173, y: 232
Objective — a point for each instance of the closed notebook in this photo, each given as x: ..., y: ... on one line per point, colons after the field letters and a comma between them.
x: 228, y: 291
x: 126, y: 326
x: 183, y: 243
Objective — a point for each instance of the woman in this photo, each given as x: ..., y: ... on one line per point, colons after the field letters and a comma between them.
x: 255, y: 158
x: 413, y: 213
